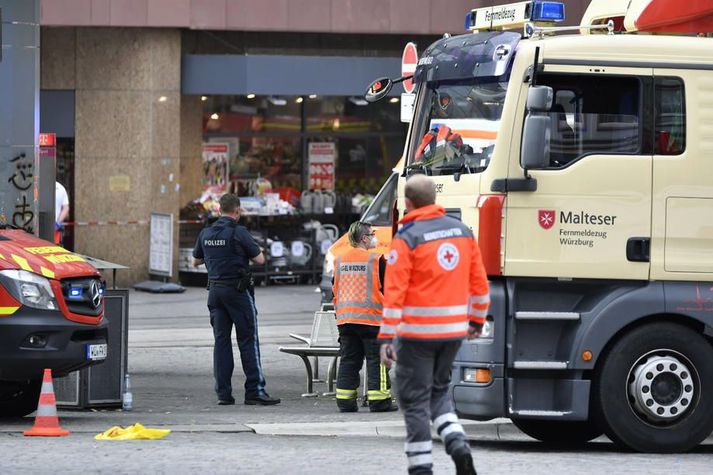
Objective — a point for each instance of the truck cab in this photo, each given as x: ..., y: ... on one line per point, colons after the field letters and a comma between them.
x: 581, y: 162
x: 51, y: 316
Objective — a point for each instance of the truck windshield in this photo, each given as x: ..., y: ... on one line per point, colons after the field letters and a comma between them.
x: 456, y: 128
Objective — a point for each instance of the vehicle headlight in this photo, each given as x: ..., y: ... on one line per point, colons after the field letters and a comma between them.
x: 29, y: 289
x: 328, y: 265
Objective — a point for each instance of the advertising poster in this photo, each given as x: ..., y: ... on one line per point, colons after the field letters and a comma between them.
x: 322, y: 157
x: 216, y: 160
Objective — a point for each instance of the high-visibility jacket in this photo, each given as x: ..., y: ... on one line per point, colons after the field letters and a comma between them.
x: 357, y: 288
x: 435, y: 280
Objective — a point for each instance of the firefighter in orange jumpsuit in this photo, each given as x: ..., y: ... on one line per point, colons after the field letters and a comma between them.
x: 358, y: 298
x: 436, y: 295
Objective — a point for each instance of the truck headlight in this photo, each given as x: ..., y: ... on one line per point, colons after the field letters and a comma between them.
x: 29, y: 289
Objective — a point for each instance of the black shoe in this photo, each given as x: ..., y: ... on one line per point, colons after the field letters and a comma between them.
x: 464, y: 461
x: 262, y: 400
x: 226, y: 402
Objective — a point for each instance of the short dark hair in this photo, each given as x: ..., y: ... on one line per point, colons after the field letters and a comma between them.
x: 421, y: 190
x: 229, y: 203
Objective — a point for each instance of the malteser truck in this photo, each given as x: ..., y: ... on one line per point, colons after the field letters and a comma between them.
x: 583, y: 162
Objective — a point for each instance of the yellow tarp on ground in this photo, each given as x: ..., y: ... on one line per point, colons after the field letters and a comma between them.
x: 135, y: 432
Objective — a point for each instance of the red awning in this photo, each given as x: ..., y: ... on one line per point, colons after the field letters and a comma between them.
x: 676, y: 16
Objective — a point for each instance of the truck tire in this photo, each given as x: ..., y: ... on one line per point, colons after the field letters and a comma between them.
x: 19, y: 398
x: 559, y: 433
x: 653, y: 390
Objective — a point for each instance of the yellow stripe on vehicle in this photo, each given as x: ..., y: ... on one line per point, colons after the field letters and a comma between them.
x: 22, y: 262
x: 47, y: 273
x: 5, y: 311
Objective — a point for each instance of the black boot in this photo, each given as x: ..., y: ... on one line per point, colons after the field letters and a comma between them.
x: 347, y: 405
x: 464, y: 460
x: 385, y: 405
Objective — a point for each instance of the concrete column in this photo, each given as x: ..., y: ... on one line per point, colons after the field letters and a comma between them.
x: 19, y: 113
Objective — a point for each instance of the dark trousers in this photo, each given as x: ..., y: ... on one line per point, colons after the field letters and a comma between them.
x: 357, y: 342
x: 229, y: 308
x: 423, y: 374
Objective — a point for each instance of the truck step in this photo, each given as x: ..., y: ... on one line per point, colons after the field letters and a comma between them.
x: 546, y: 316
x: 540, y: 364
x: 539, y: 413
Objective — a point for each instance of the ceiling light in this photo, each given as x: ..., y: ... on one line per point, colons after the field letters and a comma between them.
x: 251, y: 96
x: 214, y: 116
x: 394, y: 100
x: 299, y: 100
x: 313, y: 96
x: 204, y: 98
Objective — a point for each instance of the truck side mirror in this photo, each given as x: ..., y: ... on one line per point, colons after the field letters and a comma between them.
x: 378, y: 90
x: 535, y: 151
x: 539, y: 99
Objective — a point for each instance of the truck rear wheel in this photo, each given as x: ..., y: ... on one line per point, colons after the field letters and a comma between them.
x: 653, y: 391
x: 559, y: 433
x: 19, y: 398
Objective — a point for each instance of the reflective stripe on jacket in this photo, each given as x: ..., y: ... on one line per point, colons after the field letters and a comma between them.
x: 435, y: 280
x: 357, y: 294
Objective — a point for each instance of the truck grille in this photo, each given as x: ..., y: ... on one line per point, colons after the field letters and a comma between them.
x: 83, y: 296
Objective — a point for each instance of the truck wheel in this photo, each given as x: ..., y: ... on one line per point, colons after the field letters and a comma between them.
x: 19, y: 398
x: 559, y: 433
x: 653, y: 391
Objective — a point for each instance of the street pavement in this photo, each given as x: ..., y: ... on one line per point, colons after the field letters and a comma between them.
x: 170, y: 361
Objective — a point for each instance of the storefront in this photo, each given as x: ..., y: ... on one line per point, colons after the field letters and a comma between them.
x: 305, y: 156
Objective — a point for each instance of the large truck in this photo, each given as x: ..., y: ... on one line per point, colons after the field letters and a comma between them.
x: 582, y: 162
x: 51, y: 316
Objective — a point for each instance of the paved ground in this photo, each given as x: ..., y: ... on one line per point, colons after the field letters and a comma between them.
x: 170, y: 362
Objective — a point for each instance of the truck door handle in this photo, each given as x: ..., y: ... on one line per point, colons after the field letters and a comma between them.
x: 638, y: 249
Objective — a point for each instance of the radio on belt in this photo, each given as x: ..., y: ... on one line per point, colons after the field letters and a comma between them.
x: 514, y: 15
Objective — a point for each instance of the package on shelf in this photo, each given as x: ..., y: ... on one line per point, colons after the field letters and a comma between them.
x: 252, y: 205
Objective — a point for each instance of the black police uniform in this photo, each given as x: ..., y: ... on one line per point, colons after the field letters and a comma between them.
x: 227, y: 249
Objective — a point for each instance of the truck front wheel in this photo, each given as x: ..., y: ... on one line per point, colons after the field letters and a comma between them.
x: 19, y: 398
x: 653, y: 391
x: 559, y: 433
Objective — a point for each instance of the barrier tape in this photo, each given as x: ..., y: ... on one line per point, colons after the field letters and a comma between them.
x: 141, y: 222
x: 106, y: 223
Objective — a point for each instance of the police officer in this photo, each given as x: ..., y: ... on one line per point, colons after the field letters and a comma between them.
x: 436, y: 295
x: 227, y: 249
x: 358, y: 297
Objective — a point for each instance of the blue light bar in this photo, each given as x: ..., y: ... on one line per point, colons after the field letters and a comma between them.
x: 75, y: 292
x: 469, y: 20
x: 547, y: 11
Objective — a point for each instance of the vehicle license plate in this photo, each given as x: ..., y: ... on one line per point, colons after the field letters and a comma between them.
x: 96, y: 352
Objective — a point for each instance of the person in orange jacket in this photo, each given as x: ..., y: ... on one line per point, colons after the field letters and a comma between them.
x: 358, y: 297
x: 436, y: 295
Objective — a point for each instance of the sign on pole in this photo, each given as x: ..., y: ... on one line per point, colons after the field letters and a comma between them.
x: 408, y: 65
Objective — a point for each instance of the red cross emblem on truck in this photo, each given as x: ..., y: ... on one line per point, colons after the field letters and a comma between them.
x: 546, y: 218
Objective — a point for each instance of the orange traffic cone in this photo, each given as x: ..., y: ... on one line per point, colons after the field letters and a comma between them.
x: 46, y: 420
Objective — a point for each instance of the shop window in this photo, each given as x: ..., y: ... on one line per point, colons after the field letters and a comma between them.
x: 670, y: 116
x: 593, y: 115
x: 351, y: 115
x: 251, y: 114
